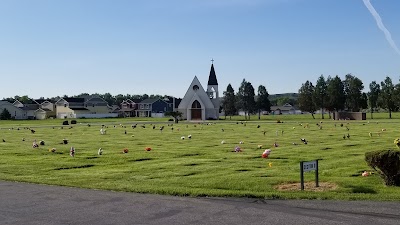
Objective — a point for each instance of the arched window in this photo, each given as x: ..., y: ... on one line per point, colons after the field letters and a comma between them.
x: 195, y: 87
x: 196, y: 105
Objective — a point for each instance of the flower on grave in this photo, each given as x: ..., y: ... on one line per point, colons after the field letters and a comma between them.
x: 266, y: 153
x: 148, y: 149
x: 259, y: 146
x: 270, y: 165
x: 238, y: 149
x: 397, y: 142
x: 222, y: 142
x: 52, y: 149
x: 72, y: 152
x: 370, y: 134
x: 276, y: 144
x: 365, y: 174
x: 241, y: 142
x: 125, y: 150
x: 100, y: 151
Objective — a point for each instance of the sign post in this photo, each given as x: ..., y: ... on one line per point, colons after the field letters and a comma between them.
x: 308, y: 166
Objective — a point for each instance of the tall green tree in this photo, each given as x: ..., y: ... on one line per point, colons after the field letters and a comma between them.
x: 5, y: 115
x: 282, y: 100
x: 336, y: 94
x: 364, y: 101
x: 353, y: 87
x: 229, y: 102
x: 305, y: 99
x: 263, y: 102
x: 373, y: 95
x: 23, y: 99
x: 245, y: 97
x: 320, y: 94
x: 9, y: 99
x: 387, y: 98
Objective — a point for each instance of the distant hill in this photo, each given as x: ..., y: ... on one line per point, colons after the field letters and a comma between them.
x: 284, y: 95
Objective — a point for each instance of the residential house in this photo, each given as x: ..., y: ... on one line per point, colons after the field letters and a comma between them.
x: 173, y: 103
x: 92, y: 106
x: 129, y: 107
x: 31, y: 109
x: 48, y: 106
x: 16, y: 112
x: 151, y: 107
x: 284, y: 109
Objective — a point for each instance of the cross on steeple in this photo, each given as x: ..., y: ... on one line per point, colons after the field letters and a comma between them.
x: 212, y: 61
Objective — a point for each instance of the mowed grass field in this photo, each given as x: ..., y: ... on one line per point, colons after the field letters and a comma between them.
x: 202, y: 166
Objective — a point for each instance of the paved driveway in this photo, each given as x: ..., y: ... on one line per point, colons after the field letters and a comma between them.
x: 22, y: 203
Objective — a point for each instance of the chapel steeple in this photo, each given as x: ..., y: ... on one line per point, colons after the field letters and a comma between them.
x: 212, y: 89
x: 212, y: 79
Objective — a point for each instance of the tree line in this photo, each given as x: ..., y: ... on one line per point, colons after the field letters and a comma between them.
x: 334, y: 94
x: 245, y: 100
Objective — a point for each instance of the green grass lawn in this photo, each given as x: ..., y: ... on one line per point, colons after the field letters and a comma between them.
x: 201, y: 166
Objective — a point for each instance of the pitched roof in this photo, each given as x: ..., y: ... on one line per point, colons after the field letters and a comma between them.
x: 40, y: 101
x: 149, y: 101
x: 74, y: 99
x: 212, y: 79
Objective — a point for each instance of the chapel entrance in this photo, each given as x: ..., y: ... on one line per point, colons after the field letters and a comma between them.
x: 196, y: 110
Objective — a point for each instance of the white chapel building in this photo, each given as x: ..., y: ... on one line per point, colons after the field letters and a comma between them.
x: 198, y: 104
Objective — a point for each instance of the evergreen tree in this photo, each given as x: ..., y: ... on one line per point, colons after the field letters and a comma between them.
x: 305, y: 99
x: 373, y: 95
x: 387, y: 99
x: 353, y: 89
x: 263, y: 102
x: 5, y: 115
x: 336, y: 94
x: 245, y: 98
x: 320, y: 94
x: 229, y: 102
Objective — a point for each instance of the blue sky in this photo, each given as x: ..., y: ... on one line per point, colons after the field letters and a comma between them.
x: 57, y: 47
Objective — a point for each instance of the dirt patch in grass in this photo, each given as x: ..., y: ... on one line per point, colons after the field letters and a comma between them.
x: 309, y: 186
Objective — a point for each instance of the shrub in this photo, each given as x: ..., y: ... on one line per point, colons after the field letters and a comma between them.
x: 5, y: 115
x: 387, y: 163
x: 65, y: 122
x: 73, y: 122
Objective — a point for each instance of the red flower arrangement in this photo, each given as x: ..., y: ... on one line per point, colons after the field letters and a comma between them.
x: 148, y: 149
x: 125, y: 150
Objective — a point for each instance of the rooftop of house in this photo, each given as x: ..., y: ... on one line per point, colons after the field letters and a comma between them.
x: 82, y: 100
x: 40, y: 101
x: 149, y: 101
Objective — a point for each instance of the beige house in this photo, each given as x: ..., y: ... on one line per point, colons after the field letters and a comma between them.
x: 37, y: 109
x: 284, y: 109
x: 16, y: 113
x: 91, y: 106
x: 48, y: 106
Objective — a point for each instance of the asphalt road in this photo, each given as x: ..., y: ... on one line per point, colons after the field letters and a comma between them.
x: 22, y: 203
